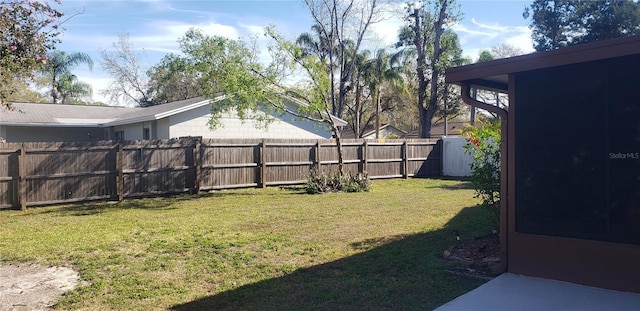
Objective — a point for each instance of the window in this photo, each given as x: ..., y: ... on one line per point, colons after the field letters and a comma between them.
x: 145, y: 133
x: 119, y: 135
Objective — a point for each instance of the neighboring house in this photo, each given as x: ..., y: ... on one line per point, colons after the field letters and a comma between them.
x: 386, y: 131
x: 452, y: 128
x: 570, y: 176
x: 28, y: 122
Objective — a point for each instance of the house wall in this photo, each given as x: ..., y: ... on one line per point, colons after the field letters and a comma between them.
x: 385, y: 133
x: 49, y: 134
x: 195, y: 123
x: 162, y: 129
x: 131, y: 131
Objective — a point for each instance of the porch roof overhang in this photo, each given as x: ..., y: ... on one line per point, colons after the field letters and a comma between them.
x: 494, y: 75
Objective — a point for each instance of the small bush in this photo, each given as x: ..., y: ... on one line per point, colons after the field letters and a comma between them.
x: 484, y: 145
x: 318, y: 182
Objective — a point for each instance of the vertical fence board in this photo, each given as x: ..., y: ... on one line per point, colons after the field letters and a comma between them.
x: 49, y: 173
x: 9, y: 175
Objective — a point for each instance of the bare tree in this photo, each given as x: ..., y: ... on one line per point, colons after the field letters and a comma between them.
x: 341, y: 26
x: 129, y: 80
x: 435, y: 49
x: 505, y: 50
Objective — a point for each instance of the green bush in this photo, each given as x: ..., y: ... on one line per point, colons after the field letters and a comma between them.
x: 319, y: 182
x: 484, y: 145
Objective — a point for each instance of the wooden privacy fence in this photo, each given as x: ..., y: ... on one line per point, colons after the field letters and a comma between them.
x: 50, y: 173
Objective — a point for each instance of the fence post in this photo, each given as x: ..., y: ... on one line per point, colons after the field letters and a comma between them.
x: 364, y: 157
x: 405, y: 159
x: 197, y: 163
x: 318, y: 163
x: 263, y: 165
x: 119, y: 169
x: 22, y: 182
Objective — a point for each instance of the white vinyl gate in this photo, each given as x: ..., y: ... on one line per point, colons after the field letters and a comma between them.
x: 455, y: 162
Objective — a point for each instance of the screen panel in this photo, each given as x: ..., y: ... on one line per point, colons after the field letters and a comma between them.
x: 561, y: 140
x: 624, y: 150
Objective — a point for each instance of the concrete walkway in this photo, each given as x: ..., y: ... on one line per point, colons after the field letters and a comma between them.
x: 516, y: 292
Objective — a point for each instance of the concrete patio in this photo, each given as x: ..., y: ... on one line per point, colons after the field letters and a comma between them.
x: 516, y: 292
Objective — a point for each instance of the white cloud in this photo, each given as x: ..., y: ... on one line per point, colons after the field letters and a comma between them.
x: 253, y: 30
x: 478, y: 36
x: 386, y: 31
x: 98, y: 84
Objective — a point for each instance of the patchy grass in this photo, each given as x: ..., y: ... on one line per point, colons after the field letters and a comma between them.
x: 257, y: 249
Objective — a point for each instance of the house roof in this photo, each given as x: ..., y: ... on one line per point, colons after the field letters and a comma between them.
x: 370, y: 130
x: 30, y: 114
x: 494, y: 74
x: 437, y: 130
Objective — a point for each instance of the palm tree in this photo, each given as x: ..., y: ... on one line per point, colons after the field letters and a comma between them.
x: 70, y: 87
x: 318, y: 43
x: 381, y: 70
x: 58, y: 70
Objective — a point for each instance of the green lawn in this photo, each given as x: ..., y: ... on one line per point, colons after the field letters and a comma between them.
x: 257, y: 249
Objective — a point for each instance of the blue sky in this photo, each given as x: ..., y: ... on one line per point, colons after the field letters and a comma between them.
x: 155, y: 25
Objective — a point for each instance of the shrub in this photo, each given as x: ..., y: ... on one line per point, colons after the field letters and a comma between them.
x: 319, y: 182
x: 484, y: 145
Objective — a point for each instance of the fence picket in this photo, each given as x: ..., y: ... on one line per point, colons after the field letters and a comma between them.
x: 52, y: 173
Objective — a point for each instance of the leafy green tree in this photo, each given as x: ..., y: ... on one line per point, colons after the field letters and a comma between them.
x: 58, y: 71
x: 552, y: 23
x: 485, y: 56
x: 601, y: 20
x: 230, y: 67
x: 24, y: 93
x: 173, y: 79
x: 255, y: 91
x: 315, y: 43
x: 29, y: 31
x: 562, y: 23
x: 71, y: 91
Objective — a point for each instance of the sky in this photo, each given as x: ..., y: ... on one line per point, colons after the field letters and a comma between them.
x: 154, y: 26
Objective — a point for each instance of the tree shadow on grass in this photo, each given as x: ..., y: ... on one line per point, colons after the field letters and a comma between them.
x: 391, y: 273
x: 166, y: 202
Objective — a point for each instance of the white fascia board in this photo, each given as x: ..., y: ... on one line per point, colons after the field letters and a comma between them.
x: 338, y: 121
x: 35, y: 124
x: 165, y: 114
x: 185, y: 108
x: 128, y: 121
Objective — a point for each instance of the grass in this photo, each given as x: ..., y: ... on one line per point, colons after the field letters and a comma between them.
x: 257, y: 249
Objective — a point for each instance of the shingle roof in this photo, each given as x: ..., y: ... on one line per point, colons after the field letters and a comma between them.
x: 437, y: 130
x: 369, y: 130
x: 29, y: 114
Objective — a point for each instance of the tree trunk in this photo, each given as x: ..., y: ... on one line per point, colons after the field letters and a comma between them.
x: 419, y: 42
x: 376, y: 97
x: 358, y: 113
x: 432, y: 107
x: 336, y: 134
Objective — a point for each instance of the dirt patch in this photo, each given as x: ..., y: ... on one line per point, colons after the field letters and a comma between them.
x: 479, y: 257
x: 33, y: 287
